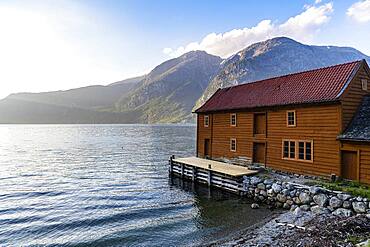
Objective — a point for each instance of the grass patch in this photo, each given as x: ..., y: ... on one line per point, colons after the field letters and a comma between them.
x: 354, y: 188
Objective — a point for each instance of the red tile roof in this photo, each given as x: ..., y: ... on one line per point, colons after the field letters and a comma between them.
x: 313, y: 86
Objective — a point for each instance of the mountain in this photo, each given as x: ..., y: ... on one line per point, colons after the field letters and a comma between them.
x: 168, y: 92
x: 275, y: 57
x: 81, y: 105
x: 15, y: 111
x: 91, y: 97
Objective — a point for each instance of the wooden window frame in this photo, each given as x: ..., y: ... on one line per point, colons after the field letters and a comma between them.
x: 364, y: 84
x: 231, y: 145
x: 231, y: 120
x: 206, y: 123
x: 297, y: 150
x: 287, y: 118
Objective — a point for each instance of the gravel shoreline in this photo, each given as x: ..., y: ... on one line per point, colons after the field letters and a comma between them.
x: 304, y: 229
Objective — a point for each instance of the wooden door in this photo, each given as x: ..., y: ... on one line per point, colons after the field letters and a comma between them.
x: 259, y: 153
x: 260, y: 124
x: 349, y: 165
x: 206, y: 148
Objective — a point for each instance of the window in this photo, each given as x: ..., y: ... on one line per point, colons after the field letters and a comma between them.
x: 364, y: 84
x: 206, y: 121
x: 290, y: 117
x: 291, y: 150
x: 233, y: 144
x: 297, y: 150
x: 286, y: 149
x: 233, y: 119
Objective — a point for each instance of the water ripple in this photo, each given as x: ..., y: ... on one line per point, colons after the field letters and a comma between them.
x: 106, y: 185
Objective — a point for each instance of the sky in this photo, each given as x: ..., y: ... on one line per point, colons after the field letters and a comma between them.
x: 62, y: 44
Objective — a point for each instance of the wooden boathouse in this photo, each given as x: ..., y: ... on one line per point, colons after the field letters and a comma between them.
x: 314, y: 122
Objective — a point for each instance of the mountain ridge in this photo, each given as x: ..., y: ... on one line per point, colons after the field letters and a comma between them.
x: 173, y: 88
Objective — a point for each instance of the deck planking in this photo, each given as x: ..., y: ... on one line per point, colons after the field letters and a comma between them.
x: 216, y: 166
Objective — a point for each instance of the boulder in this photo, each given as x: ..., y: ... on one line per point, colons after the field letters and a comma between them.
x: 343, y: 197
x: 270, y: 192
x: 343, y: 212
x: 359, y: 207
x: 292, y: 193
x: 297, y: 211
x: 261, y: 186
x: 279, y: 204
x: 296, y: 200
x: 289, y: 202
x: 315, y: 190
x: 304, y: 207
x: 319, y: 210
x: 281, y: 198
x: 255, y: 206
x: 321, y: 200
x: 347, y: 204
x: 263, y: 193
x: 276, y: 188
x: 255, y: 180
x: 335, y: 202
x: 290, y: 186
x: 359, y: 199
x: 286, y: 206
x: 268, y: 182
x: 286, y: 192
x: 305, y: 198
x: 293, y: 207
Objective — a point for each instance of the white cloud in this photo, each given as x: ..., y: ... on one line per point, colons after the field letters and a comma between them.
x: 360, y: 11
x: 301, y: 27
x: 318, y: 1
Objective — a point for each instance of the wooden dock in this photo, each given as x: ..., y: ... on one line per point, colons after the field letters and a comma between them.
x: 213, y: 173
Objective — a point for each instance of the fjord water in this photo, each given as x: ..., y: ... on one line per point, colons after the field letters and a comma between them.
x: 107, y: 185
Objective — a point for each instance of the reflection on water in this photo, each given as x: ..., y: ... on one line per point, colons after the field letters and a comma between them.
x: 107, y: 185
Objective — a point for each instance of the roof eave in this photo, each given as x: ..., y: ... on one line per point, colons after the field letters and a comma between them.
x: 353, y: 139
x: 335, y: 101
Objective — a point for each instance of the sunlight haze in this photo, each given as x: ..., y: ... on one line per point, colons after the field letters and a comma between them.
x: 58, y: 45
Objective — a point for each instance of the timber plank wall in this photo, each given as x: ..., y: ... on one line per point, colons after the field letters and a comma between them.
x: 363, y: 150
x: 318, y: 123
x: 353, y: 95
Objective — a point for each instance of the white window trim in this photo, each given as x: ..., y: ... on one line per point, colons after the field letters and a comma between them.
x: 231, y: 122
x: 231, y: 141
x: 297, y: 150
x: 287, y: 118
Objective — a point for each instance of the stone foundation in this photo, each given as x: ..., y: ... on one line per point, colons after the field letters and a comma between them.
x: 297, y: 197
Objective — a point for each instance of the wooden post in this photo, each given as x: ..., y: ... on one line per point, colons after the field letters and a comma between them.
x: 194, y: 173
x: 182, y: 170
x: 171, y: 165
x: 209, y: 178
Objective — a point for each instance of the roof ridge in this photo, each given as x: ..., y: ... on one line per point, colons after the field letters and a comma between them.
x: 290, y: 74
